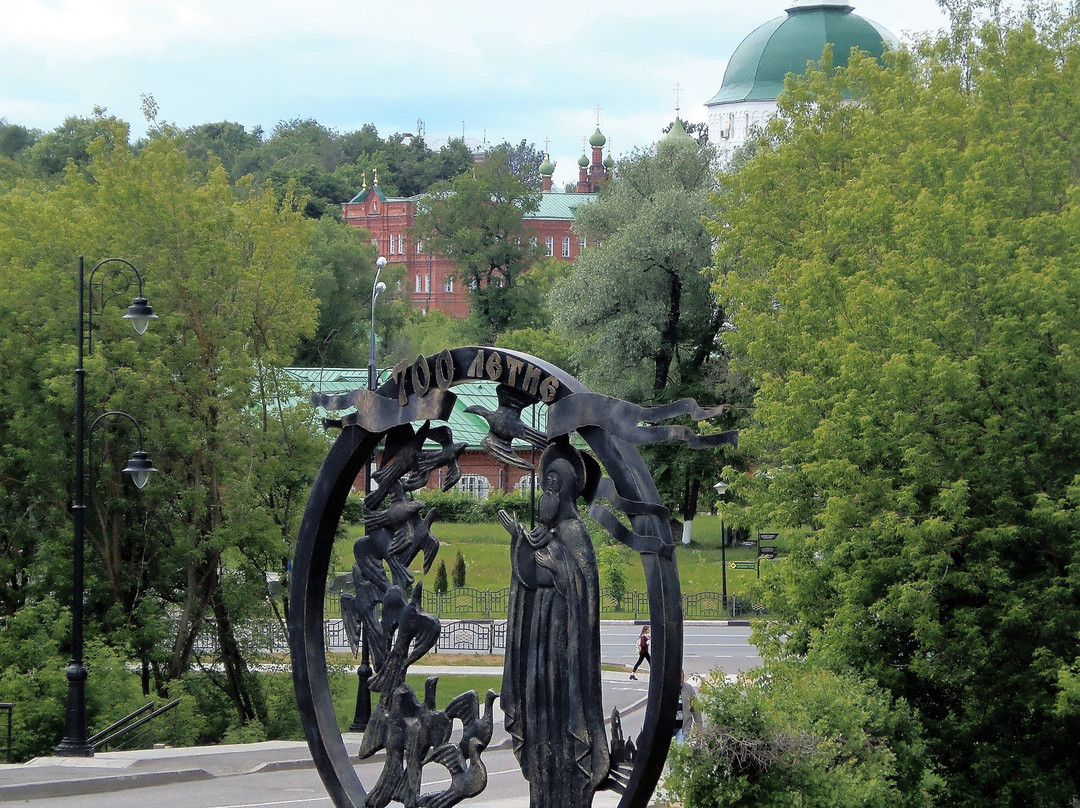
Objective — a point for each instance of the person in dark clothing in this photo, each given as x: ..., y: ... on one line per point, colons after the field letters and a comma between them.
x: 643, y: 651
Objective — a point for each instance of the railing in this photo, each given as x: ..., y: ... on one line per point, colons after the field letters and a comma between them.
x: 475, y: 619
x: 9, y: 709
x: 492, y: 604
x: 123, y: 729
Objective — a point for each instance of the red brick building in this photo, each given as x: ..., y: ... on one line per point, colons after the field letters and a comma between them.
x: 431, y: 279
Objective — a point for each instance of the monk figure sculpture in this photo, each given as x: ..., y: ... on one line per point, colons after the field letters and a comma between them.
x: 551, y: 676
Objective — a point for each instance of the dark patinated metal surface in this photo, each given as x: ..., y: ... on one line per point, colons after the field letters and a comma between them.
x: 553, y: 642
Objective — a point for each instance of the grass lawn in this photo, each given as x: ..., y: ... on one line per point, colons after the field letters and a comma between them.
x: 343, y: 688
x: 485, y: 550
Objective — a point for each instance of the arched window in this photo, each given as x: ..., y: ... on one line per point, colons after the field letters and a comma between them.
x: 524, y: 485
x: 418, y: 283
x: 448, y: 284
x: 475, y: 485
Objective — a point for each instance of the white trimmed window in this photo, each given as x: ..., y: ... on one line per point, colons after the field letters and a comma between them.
x: 417, y: 284
x: 391, y: 243
x: 475, y: 485
x: 549, y: 243
x: 448, y: 284
x: 566, y: 247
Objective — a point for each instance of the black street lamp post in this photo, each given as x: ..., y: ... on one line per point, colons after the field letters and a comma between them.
x: 140, y: 313
x: 722, y: 487
x: 362, y: 714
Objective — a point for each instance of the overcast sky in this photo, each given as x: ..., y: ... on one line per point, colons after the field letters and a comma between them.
x: 488, y: 70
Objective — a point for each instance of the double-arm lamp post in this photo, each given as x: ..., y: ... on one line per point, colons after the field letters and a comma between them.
x: 140, y: 313
x: 362, y: 713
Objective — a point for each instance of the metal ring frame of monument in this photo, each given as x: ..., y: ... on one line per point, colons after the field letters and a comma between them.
x: 354, y: 446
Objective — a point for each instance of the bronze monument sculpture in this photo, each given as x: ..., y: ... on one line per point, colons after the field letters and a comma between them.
x: 551, y: 691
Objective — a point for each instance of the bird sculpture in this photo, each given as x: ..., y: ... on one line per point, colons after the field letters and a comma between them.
x: 427, y: 461
x: 465, y: 780
x: 411, y: 628
x: 374, y: 736
x: 401, y: 724
x: 403, y: 444
x: 505, y: 426
x: 413, y: 537
x: 397, y: 534
x: 466, y: 709
x: 434, y: 724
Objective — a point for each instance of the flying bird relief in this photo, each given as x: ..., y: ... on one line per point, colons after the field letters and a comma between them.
x: 624, y: 420
x: 377, y: 413
x: 505, y: 426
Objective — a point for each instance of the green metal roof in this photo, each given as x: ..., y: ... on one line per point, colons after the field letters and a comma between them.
x: 784, y: 45
x: 555, y: 205
x: 363, y: 195
x: 466, y: 426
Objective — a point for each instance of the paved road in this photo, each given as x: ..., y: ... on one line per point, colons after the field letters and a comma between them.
x: 705, y: 647
x: 281, y: 775
x: 298, y: 788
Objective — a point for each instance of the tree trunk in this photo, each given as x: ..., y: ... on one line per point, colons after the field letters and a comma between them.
x: 242, y: 688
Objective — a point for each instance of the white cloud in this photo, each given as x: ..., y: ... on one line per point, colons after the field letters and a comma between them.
x: 511, y: 72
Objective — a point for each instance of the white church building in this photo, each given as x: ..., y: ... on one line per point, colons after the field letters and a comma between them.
x: 755, y: 72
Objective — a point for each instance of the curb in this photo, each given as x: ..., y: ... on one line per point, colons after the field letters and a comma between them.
x: 99, y: 785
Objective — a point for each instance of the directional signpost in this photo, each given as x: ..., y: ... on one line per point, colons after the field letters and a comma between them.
x: 769, y: 551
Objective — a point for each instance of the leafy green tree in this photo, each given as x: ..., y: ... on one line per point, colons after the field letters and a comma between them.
x: 477, y: 220
x: 636, y: 307
x: 791, y: 735
x: 224, y: 267
x: 427, y: 334
x: 636, y: 303
x: 612, y: 562
x: 229, y: 142
x: 71, y: 140
x: 899, y: 259
x: 524, y: 161
x: 340, y: 262
x: 14, y: 138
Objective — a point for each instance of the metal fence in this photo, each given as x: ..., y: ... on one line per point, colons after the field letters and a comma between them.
x: 467, y: 602
x: 474, y: 619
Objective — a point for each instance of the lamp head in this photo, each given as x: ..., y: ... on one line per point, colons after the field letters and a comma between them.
x: 381, y: 262
x: 140, y: 312
x: 721, y: 487
x: 380, y: 287
x: 140, y: 467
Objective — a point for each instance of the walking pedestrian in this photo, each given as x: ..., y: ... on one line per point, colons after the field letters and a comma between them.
x: 643, y: 651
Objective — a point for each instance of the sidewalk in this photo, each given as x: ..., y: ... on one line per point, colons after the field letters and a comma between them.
x: 113, y: 771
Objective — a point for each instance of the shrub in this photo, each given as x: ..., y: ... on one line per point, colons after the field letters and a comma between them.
x: 441, y: 584
x: 457, y: 575
x: 453, y: 506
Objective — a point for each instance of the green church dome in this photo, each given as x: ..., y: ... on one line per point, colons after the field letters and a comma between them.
x: 547, y: 168
x: 583, y: 161
x: 609, y: 162
x: 677, y: 131
x: 597, y: 138
x: 784, y: 45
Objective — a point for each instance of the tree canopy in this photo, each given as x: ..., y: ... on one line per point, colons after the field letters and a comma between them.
x: 225, y: 269
x: 899, y: 260
x: 476, y: 220
x: 637, y: 308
